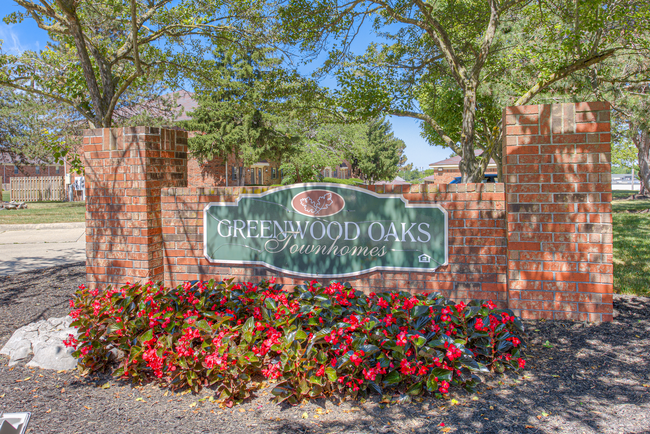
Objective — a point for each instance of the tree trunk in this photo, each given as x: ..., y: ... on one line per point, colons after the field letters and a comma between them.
x: 69, y: 9
x: 498, y: 158
x: 468, y: 165
x: 642, y: 141
x: 298, y: 177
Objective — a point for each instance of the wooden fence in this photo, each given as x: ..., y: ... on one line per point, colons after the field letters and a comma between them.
x: 36, y: 189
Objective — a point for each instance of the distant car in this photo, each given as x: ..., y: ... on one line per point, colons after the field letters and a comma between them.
x: 487, y: 178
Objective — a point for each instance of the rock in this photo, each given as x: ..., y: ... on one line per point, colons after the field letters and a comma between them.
x: 43, y: 339
x: 114, y: 354
x: 51, y: 355
x: 22, y: 351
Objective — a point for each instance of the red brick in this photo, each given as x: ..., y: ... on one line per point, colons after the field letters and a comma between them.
x: 592, y: 106
x: 593, y: 287
x: 592, y: 127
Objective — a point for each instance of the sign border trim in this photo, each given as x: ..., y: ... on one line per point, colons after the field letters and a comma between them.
x: 407, y: 204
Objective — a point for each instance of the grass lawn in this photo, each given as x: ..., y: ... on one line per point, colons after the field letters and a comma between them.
x: 631, y: 245
x: 45, y: 212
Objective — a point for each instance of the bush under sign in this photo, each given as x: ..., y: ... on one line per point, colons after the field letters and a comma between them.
x: 326, y: 230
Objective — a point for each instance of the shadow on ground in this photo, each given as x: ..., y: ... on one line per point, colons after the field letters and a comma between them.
x: 591, y: 378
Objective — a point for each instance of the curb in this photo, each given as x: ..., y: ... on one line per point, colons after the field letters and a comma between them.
x: 42, y: 226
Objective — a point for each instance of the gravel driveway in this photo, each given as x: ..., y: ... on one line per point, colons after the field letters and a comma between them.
x: 587, y: 379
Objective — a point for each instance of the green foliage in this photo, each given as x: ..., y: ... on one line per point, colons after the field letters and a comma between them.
x: 44, y: 212
x: 244, y: 108
x: 31, y: 128
x: 379, y: 156
x: 631, y: 245
x: 455, y: 66
x: 314, y: 340
x: 624, y: 155
x: 350, y: 181
x: 109, y: 56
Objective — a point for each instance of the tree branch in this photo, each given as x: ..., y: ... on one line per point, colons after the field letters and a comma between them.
x: 563, y: 73
x: 85, y: 113
x: 432, y: 123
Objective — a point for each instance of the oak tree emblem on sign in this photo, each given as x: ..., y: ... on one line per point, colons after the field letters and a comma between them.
x: 315, y: 208
x: 318, y: 203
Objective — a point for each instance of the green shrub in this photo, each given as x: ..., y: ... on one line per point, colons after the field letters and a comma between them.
x: 314, y: 341
x: 351, y: 181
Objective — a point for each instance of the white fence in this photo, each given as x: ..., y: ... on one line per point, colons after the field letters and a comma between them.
x: 36, y: 189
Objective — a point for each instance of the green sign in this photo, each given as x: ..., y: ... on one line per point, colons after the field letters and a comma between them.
x: 326, y: 230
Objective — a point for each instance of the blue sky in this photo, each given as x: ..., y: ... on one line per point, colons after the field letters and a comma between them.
x: 27, y: 36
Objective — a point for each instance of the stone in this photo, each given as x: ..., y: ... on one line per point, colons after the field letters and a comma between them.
x: 44, y: 340
x: 52, y: 355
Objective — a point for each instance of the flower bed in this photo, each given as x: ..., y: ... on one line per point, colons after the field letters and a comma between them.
x: 314, y: 341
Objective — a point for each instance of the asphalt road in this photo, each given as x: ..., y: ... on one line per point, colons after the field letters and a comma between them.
x: 30, y: 247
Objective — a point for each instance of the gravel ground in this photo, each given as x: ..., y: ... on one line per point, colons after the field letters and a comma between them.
x: 588, y: 379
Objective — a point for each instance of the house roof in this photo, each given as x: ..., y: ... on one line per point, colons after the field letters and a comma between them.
x: 396, y: 181
x: 185, y: 103
x: 455, y: 161
x: 7, y: 158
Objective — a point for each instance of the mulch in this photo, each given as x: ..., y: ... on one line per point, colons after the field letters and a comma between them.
x: 580, y: 378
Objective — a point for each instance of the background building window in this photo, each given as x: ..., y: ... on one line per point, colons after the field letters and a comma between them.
x: 234, y: 173
x: 58, y: 169
x: 38, y: 169
x: 274, y: 173
x: 15, y: 170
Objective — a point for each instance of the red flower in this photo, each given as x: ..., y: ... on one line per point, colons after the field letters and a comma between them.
x: 522, y: 363
x: 354, y: 358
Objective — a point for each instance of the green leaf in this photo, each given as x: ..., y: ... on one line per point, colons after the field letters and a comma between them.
x: 442, y: 374
x: 418, y: 311
x: 331, y: 374
x: 146, y: 336
x: 393, y: 377
x: 415, y: 389
x: 432, y: 384
x: 369, y: 349
x: 249, y: 325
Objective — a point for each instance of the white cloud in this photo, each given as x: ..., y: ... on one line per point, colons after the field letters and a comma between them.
x: 11, y: 41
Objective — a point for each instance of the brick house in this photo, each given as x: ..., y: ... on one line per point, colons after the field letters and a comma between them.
x: 12, y: 167
x: 447, y: 170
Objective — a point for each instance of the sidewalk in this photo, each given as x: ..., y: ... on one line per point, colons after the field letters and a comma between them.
x: 30, y: 247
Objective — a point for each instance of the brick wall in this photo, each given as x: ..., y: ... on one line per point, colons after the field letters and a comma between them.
x: 213, y: 173
x: 540, y: 244
x: 126, y: 169
x: 558, y: 193
x: 445, y: 176
x: 477, y: 242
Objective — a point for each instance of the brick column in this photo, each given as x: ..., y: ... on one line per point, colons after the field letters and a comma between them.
x: 558, y: 196
x: 125, y: 171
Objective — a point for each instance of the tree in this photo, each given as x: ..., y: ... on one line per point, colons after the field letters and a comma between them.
x: 30, y: 128
x: 109, y: 54
x: 443, y: 56
x: 636, y: 110
x: 380, y: 154
x: 626, y: 85
x: 247, y: 108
